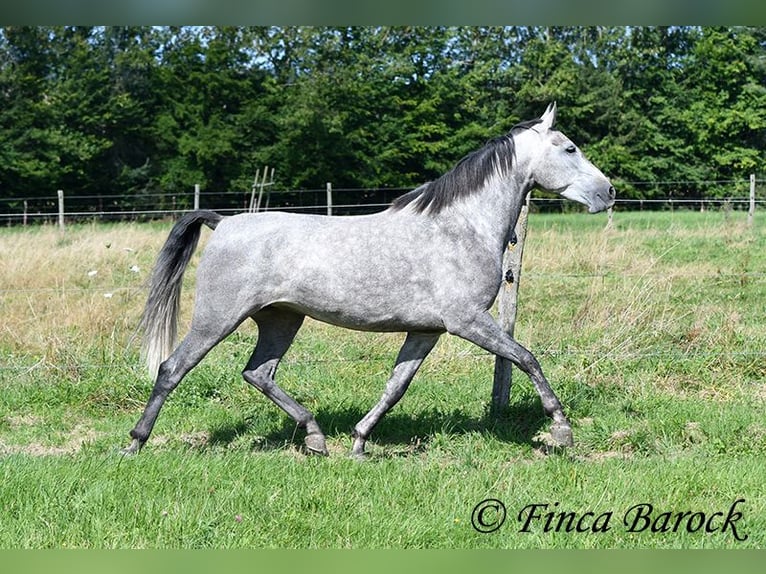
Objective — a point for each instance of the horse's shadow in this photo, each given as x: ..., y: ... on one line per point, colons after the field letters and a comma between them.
x: 399, y: 433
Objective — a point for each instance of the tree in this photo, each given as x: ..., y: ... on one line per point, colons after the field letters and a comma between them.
x: 130, y: 110
x: 206, y: 86
x: 726, y: 112
x: 25, y: 113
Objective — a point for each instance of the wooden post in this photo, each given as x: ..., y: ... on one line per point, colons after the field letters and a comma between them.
x: 61, y: 209
x: 260, y: 189
x: 251, y: 207
x: 329, y: 198
x: 610, y: 216
x: 507, y: 299
x: 751, y: 211
x: 268, y: 192
x: 196, y: 196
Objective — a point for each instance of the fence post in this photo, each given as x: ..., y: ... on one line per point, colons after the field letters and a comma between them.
x: 751, y: 211
x: 61, y: 209
x: 506, y: 309
x: 252, y: 207
x: 260, y: 188
x: 26, y: 210
x: 270, y: 183
x: 196, y: 196
x: 329, y: 198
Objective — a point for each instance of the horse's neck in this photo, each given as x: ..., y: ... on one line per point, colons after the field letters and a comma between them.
x: 492, y: 213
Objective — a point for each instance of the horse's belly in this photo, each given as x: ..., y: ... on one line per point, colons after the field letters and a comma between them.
x: 368, y: 318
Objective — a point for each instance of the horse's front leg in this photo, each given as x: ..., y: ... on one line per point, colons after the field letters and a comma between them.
x: 482, y: 330
x: 415, y: 348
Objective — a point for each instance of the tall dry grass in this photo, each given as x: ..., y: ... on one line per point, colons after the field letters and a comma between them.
x: 679, y: 284
x: 65, y: 291
x: 685, y: 290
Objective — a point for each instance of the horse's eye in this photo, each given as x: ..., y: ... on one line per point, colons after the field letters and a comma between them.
x: 571, y: 149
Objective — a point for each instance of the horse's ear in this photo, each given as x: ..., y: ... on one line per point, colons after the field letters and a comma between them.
x: 549, y: 117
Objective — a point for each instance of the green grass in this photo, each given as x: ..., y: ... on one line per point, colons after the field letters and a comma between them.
x: 652, y: 334
x: 191, y: 499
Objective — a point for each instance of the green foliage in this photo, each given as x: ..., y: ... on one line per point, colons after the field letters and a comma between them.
x: 128, y: 110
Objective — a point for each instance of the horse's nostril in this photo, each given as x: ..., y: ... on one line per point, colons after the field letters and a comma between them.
x: 612, y: 192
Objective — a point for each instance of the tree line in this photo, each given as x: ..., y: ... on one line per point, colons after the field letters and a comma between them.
x: 134, y: 110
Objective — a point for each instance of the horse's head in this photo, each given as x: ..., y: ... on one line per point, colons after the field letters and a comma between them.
x: 559, y: 166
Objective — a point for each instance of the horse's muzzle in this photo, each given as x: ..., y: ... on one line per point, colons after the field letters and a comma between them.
x: 604, y: 200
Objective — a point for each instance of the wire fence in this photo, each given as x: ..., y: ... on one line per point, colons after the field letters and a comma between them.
x: 341, y: 201
x: 478, y: 355
x: 126, y: 361
x: 147, y: 206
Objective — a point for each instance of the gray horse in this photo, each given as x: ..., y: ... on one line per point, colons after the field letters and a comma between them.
x: 429, y: 264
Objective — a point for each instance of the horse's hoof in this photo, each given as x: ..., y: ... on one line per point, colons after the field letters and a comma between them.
x: 561, y: 435
x: 359, y: 456
x: 357, y: 450
x: 315, y: 444
x: 132, y: 449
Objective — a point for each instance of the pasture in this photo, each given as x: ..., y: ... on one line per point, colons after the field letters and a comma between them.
x: 652, y: 333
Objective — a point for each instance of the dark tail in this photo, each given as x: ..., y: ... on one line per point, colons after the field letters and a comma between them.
x: 160, y: 317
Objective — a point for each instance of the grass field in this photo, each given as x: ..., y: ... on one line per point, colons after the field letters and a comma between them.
x: 652, y: 333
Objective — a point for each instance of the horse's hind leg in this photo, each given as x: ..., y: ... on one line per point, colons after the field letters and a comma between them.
x: 187, y: 355
x: 276, y: 331
x: 414, y: 350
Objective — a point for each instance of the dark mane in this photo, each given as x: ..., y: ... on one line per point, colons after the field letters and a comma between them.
x: 468, y: 175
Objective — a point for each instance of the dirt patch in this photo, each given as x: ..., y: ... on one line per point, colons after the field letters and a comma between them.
x: 72, y: 442
x: 605, y: 455
x: 18, y: 421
